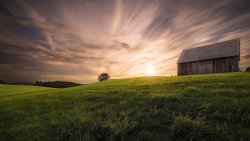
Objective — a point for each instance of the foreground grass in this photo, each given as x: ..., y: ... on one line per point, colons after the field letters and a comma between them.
x: 202, y: 107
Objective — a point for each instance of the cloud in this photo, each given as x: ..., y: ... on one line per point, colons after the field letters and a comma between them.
x: 247, y: 56
x: 77, y: 40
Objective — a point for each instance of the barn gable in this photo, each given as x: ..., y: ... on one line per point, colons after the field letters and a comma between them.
x: 218, y: 50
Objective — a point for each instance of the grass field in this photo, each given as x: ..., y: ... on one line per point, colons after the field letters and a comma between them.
x: 202, y: 107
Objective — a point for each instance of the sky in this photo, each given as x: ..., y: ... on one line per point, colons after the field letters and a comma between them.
x: 76, y: 40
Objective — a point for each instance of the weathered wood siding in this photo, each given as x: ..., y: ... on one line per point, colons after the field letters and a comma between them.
x: 229, y: 64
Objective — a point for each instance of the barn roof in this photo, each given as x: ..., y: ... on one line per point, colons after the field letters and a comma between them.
x: 218, y: 50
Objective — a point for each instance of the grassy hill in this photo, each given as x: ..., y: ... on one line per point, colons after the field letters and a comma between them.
x: 202, y: 107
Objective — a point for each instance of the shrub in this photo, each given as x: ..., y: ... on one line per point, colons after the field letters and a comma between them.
x: 248, y: 69
x: 103, y: 76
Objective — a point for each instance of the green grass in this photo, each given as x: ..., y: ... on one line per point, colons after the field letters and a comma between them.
x: 7, y: 90
x: 202, y: 107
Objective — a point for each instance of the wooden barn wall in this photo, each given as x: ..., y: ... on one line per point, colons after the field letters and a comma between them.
x: 230, y: 64
x: 226, y: 65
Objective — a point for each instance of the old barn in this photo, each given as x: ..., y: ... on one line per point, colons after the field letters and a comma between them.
x: 214, y: 58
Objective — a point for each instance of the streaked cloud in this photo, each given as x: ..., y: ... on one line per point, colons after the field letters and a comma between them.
x: 77, y: 40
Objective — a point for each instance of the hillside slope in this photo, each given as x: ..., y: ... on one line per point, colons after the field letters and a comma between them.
x: 208, y: 107
x: 7, y: 90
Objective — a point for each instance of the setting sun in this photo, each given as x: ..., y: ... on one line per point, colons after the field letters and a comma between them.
x: 150, y: 70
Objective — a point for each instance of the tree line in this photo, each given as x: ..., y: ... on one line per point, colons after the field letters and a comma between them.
x: 2, y: 82
x: 56, y: 84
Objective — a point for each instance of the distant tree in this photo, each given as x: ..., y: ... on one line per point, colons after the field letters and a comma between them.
x: 38, y: 83
x: 103, y: 76
x: 2, y: 82
x: 248, y: 69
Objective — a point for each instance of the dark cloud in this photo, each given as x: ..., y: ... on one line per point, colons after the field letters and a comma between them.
x: 77, y: 40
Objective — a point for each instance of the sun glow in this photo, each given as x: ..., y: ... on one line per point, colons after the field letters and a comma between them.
x: 150, y: 70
